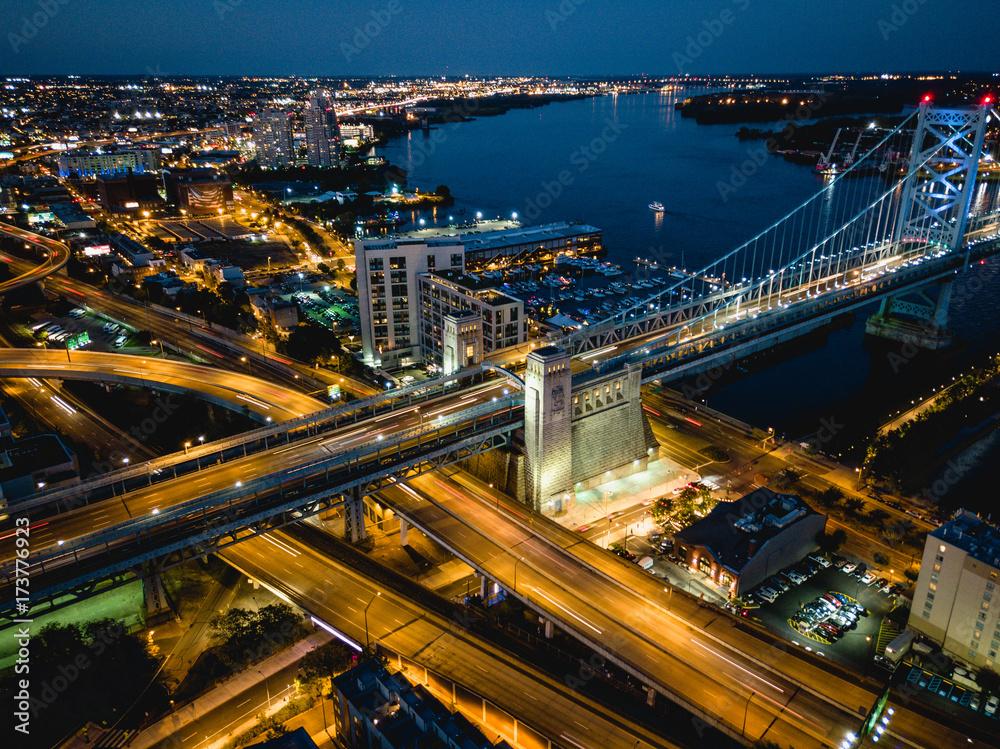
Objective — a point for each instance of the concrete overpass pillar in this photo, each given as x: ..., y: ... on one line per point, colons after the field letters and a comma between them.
x: 650, y: 696
x: 484, y: 587
x: 402, y: 532
x: 548, y: 427
x: 550, y: 629
x: 154, y: 595
x: 917, y: 318
x: 354, y: 517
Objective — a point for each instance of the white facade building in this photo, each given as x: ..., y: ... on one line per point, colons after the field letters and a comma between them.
x: 956, y: 601
x: 387, y: 272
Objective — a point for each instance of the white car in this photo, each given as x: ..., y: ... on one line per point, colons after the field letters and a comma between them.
x: 868, y: 578
x: 849, y: 567
x: 991, y: 705
x: 821, y: 561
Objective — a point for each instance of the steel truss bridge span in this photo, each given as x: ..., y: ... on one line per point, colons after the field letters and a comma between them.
x: 209, y: 522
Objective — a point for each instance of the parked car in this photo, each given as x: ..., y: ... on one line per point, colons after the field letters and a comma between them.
x: 778, y: 583
x: 868, y: 578
x: 849, y: 567
x: 991, y: 705
x: 821, y: 561
x: 974, y: 703
x: 882, y: 662
x: 796, y: 577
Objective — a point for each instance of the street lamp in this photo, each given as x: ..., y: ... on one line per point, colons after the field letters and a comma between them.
x: 187, y: 445
x: 267, y: 689
x: 745, y: 711
x: 367, y: 641
x: 516, y: 561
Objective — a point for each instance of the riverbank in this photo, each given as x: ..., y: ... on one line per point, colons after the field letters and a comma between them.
x: 911, y: 455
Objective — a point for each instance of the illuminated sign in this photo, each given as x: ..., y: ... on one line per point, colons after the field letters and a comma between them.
x: 131, y: 204
x: 6, y: 154
x: 334, y: 392
x: 97, y: 249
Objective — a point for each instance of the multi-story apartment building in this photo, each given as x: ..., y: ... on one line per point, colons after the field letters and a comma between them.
x: 322, y: 140
x: 444, y: 292
x: 387, y: 272
x: 272, y: 137
x: 956, y: 601
x: 110, y: 162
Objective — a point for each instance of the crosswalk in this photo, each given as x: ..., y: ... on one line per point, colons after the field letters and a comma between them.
x: 113, y: 739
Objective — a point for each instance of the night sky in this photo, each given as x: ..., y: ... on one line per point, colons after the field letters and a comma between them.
x: 503, y: 37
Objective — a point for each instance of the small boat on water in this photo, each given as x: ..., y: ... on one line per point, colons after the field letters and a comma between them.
x: 656, y: 206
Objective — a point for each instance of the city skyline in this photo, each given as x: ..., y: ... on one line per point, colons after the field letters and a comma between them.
x: 572, y: 37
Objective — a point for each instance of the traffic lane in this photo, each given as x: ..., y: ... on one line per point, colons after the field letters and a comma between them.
x: 160, y: 496
x: 229, y: 386
x: 338, y: 596
x: 213, y: 726
x: 772, y: 658
x: 589, y: 615
x: 66, y: 415
x: 180, y: 333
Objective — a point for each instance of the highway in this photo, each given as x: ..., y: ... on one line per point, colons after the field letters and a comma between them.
x: 338, y: 596
x: 215, y: 477
x: 238, y: 391
x: 692, y: 652
x: 57, y: 255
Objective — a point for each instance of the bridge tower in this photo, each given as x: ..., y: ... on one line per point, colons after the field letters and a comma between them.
x: 934, y: 210
x: 548, y: 428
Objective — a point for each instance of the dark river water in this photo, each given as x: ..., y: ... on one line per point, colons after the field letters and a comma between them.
x: 602, y: 161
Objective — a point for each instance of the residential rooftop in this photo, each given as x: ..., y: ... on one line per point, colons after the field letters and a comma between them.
x: 735, y: 531
x: 973, y: 535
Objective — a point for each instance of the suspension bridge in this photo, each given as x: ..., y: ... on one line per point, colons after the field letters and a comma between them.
x: 881, y: 229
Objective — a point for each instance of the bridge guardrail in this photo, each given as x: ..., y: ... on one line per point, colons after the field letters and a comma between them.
x: 226, y: 496
x: 308, y: 421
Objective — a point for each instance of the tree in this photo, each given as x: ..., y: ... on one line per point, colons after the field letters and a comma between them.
x: 876, y: 516
x: 830, y: 542
x: 322, y: 663
x: 787, y: 478
x: 246, y: 637
x: 853, y: 506
x: 830, y: 497
x: 912, y: 575
x: 881, y: 558
x: 313, y: 343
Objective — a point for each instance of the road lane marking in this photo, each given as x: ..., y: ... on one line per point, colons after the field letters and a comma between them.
x: 734, y: 663
x: 566, y: 610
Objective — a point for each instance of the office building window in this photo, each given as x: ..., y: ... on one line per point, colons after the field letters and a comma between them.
x: 430, y: 261
x: 397, y: 262
x: 927, y: 615
x: 456, y: 260
x: 375, y: 263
